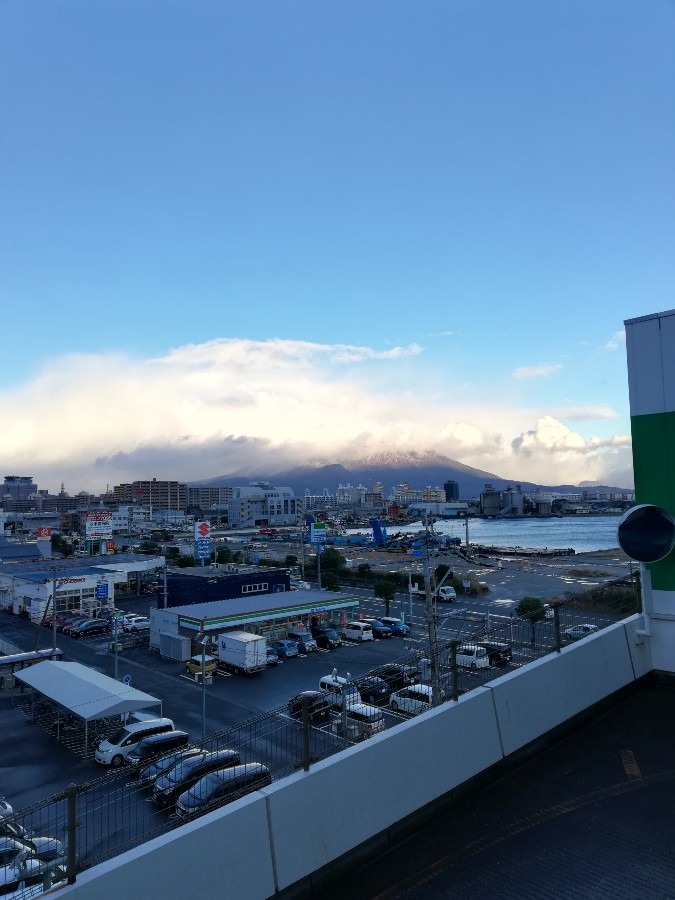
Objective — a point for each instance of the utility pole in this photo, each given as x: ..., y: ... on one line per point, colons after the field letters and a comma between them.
x: 431, y: 622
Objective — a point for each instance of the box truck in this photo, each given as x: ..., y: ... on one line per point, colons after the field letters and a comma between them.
x: 242, y: 652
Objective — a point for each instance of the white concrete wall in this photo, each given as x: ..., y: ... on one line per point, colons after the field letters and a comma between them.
x: 271, y: 839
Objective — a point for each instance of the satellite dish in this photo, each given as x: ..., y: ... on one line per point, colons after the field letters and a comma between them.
x: 646, y: 533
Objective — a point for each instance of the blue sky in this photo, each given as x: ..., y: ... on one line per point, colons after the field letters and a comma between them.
x: 319, y: 231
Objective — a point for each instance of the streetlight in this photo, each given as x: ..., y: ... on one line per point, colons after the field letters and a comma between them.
x: 203, y: 639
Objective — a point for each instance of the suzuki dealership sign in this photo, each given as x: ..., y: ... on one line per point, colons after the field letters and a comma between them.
x: 98, y: 525
x: 202, y: 540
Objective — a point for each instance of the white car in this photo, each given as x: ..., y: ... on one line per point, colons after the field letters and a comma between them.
x: 576, y: 632
x: 140, y: 623
x: 413, y: 699
x: 472, y: 657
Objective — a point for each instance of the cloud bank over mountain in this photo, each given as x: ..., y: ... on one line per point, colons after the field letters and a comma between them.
x: 232, y: 405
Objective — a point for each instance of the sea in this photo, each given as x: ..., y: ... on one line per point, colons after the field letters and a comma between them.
x: 583, y: 534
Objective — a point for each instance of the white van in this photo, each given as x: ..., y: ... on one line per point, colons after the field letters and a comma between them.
x: 336, y: 686
x: 114, y: 750
x: 473, y: 657
x: 357, y: 631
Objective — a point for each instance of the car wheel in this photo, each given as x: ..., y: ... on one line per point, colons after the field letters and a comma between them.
x: 359, y: 639
x: 344, y: 636
x: 117, y: 761
x: 473, y: 666
x: 394, y: 705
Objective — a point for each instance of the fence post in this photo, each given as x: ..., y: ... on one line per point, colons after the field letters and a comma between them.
x: 556, y: 626
x: 71, y: 832
x: 305, y: 733
x: 454, y: 683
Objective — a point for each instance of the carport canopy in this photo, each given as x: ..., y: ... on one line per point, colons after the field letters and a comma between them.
x: 83, y: 691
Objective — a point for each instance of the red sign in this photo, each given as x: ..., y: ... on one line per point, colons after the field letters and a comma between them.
x: 44, y: 532
x: 203, y: 529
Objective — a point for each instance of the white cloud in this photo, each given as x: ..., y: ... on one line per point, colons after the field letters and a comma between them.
x: 618, y: 339
x: 542, y: 371
x: 239, y: 406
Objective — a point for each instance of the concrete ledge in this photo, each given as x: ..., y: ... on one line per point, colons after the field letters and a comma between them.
x: 345, y: 800
x: 548, y: 691
x: 224, y: 853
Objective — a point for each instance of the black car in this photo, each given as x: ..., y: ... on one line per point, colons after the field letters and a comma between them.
x: 499, y: 652
x: 319, y: 706
x: 157, y: 745
x: 149, y: 774
x: 380, y: 630
x: 397, y: 676
x: 89, y: 626
x: 373, y: 690
x: 181, y: 778
x: 326, y: 637
x: 221, y: 786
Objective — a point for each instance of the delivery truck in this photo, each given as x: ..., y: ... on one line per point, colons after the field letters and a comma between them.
x: 241, y: 651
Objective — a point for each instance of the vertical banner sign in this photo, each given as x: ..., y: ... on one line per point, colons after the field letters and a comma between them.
x: 317, y: 533
x: 202, y: 540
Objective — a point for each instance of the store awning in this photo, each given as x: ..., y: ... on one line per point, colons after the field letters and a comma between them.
x: 84, y: 692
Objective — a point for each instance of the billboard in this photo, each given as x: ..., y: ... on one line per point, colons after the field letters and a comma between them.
x: 44, y: 532
x: 98, y: 524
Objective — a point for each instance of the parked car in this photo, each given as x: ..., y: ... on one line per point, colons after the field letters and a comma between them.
x: 285, y: 649
x: 319, y: 706
x: 414, y: 699
x: 128, y: 618
x: 149, y: 773
x: 337, y: 686
x: 398, y: 626
x: 194, y: 665
x: 114, y: 750
x: 380, y: 630
x: 140, y: 623
x: 272, y: 656
x: 396, y: 675
x: 357, y: 631
x: 373, y: 690
x: 472, y: 656
x: 176, y: 781
x: 304, y: 640
x: 20, y: 867
x: 222, y: 786
x: 499, y: 652
x: 326, y: 637
x: 156, y: 745
x: 576, y: 632
x: 362, y: 721
x: 88, y: 626
x: 71, y: 623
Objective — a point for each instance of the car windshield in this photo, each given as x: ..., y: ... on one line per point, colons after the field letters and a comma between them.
x: 184, y: 768
x: 205, y: 786
x: 118, y: 736
x: 329, y: 632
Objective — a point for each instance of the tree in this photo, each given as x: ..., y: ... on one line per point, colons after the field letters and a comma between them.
x: 385, y: 590
x: 291, y: 560
x: 331, y: 560
x: 363, y: 570
x: 185, y: 562
x: 330, y: 581
x: 172, y: 553
x: 61, y: 545
x: 223, y: 555
x: 534, y: 609
x: 150, y: 548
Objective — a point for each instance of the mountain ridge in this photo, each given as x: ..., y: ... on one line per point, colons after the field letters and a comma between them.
x: 419, y: 469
